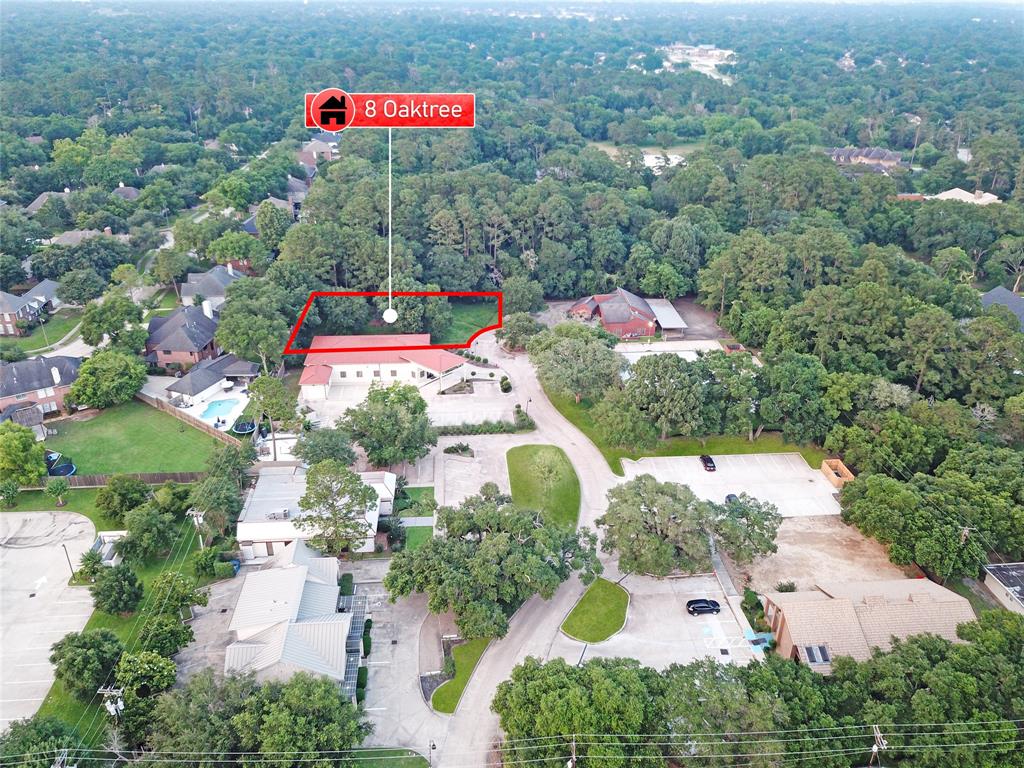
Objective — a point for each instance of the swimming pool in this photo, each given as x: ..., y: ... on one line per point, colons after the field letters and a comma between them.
x: 219, y: 408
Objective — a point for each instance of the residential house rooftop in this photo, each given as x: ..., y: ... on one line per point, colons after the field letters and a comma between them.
x: 27, y: 376
x: 1008, y: 299
x: 187, y: 329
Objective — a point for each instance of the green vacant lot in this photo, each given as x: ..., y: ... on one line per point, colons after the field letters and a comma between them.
x: 599, y: 614
x: 387, y: 758
x: 446, y: 698
x: 132, y: 437
x: 768, y: 442
x: 557, y: 496
x: 53, y: 330
x: 467, y: 319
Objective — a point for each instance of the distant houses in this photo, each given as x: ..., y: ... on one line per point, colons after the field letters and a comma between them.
x: 211, y: 285
x: 978, y: 197
x: 875, y: 158
x: 19, y: 313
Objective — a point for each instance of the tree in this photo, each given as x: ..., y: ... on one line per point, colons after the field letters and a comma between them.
x: 57, y: 488
x: 522, y: 295
x: 794, y: 399
x: 117, y: 590
x: 108, y: 378
x: 144, y: 673
x: 664, y: 281
x: 174, y: 591
x: 165, y: 634
x: 543, y: 705
x: 271, y: 224
x: 252, y: 332
x: 80, y: 286
x: 316, y: 445
x: 336, y: 503
x: 657, y: 527
x: 239, y: 246
x: 9, y: 490
x: 150, y: 532
x: 745, y: 528
x: 391, y: 425
x: 622, y: 423
x: 492, y: 557
x: 121, y: 494
x: 32, y: 743
x: 84, y: 660
x: 11, y: 272
x: 169, y: 266
x: 231, y: 462
x: 517, y: 329
x: 22, y: 459
x: 581, y: 368
x: 127, y: 278
x: 115, y: 316
x: 669, y: 391
x: 217, y: 499
x: 273, y: 400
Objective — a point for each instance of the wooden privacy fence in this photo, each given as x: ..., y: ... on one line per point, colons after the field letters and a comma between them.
x: 192, y: 421
x: 149, y: 478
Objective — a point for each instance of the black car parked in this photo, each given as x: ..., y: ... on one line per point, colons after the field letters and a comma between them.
x: 702, y: 606
x: 708, y: 462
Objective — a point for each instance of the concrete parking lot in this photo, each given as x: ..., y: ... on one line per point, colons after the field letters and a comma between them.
x: 37, y: 607
x: 486, y: 402
x: 784, y: 479
x: 659, y: 632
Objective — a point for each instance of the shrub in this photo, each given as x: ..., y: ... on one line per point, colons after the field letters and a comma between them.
x: 204, y: 562
x: 360, y: 695
x: 367, y: 626
x: 84, y: 660
x: 347, y: 584
x: 750, y: 601
x: 460, y: 449
x: 361, y: 677
x: 164, y: 634
x: 505, y: 386
x: 367, y: 644
x: 223, y: 570
x: 785, y: 586
x: 117, y: 590
x: 91, y: 565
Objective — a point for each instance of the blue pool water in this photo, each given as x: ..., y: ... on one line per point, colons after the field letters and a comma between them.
x: 219, y: 408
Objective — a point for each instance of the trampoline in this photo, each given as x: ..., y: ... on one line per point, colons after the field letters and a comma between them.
x: 244, y: 427
x: 63, y: 470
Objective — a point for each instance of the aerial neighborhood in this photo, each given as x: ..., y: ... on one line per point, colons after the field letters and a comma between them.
x: 732, y: 473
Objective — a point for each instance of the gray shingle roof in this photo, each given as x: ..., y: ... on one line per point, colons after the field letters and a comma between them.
x: 26, y: 376
x: 185, y: 330
x: 206, y: 373
x: 210, y: 284
x: 9, y: 303
x: 1006, y: 297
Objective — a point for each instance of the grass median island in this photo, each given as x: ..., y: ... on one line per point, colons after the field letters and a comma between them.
x: 446, y: 697
x: 599, y: 614
x: 542, y: 478
x: 723, y: 445
x: 132, y: 437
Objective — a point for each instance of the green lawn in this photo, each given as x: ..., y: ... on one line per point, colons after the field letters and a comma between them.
x: 599, y: 614
x: 415, y: 495
x: 977, y: 603
x: 559, y: 499
x: 82, y: 501
x: 768, y: 442
x: 416, y: 535
x: 467, y: 319
x: 53, y: 330
x: 387, y: 758
x: 446, y: 698
x: 132, y: 437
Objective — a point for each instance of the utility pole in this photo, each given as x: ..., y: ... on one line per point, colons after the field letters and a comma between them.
x: 572, y: 759
x: 877, y: 748
x: 197, y: 518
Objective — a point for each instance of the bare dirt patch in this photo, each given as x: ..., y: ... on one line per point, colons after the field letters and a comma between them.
x: 820, y: 549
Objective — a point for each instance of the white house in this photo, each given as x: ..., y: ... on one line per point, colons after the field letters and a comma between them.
x: 359, y: 367
x: 978, y: 197
x: 286, y: 619
x: 267, y: 523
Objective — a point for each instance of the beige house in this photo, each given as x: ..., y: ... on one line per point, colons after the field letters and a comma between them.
x: 851, y: 619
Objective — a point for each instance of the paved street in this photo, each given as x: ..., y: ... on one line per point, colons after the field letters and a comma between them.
x: 37, y: 607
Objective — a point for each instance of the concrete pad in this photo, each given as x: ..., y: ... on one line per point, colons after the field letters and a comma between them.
x: 784, y: 479
x: 659, y: 632
x: 688, y: 349
x: 37, y: 607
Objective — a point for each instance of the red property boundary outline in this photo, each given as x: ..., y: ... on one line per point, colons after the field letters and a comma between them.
x: 366, y: 294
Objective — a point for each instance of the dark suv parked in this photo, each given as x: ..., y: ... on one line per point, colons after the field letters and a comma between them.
x: 702, y: 606
x: 708, y: 462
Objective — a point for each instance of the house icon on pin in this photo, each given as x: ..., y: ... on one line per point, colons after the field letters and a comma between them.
x: 332, y: 112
